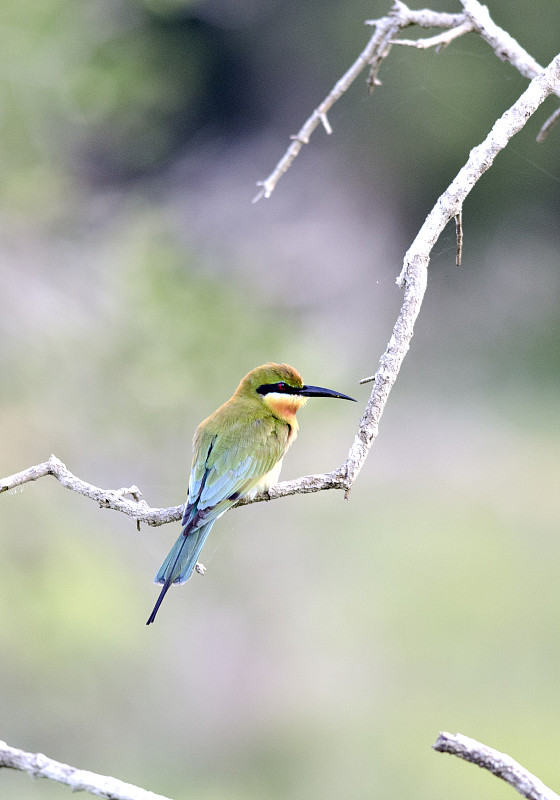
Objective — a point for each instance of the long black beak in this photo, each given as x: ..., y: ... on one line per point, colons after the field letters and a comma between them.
x: 318, y: 391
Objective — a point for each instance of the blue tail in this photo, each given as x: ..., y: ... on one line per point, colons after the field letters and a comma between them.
x: 179, y: 564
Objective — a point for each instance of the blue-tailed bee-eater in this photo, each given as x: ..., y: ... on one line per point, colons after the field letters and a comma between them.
x: 238, y: 452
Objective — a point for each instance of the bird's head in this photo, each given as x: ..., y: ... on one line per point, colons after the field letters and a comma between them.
x: 281, y: 388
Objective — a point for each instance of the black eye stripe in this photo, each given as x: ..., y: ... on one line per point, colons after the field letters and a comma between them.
x: 281, y: 387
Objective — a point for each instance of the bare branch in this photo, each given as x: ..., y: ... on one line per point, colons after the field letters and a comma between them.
x: 40, y: 766
x: 413, y: 279
x: 107, y: 498
x: 337, y: 479
x: 414, y: 276
x: 450, y: 203
x: 423, y: 17
x: 141, y: 511
x: 503, y: 45
x: 440, y: 41
x: 499, y: 764
x: 476, y: 17
x: 386, y: 29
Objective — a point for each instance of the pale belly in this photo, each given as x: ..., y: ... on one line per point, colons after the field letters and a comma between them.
x: 266, y: 481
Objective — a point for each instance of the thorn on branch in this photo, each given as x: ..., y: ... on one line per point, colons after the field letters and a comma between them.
x: 298, y: 137
x: 459, y: 234
x: 373, y: 81
x: 326, y: 124
x: 548, y: 125
x: 119, y: 494
x: 133, y: 491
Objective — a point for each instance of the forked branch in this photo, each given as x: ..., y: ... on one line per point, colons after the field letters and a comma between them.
x: 474, y: 19
x: 413, y: 280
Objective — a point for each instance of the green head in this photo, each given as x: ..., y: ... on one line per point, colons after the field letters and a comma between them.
x: 281, y: 388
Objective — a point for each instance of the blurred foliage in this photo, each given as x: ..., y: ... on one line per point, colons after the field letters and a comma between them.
x: 329, y: 642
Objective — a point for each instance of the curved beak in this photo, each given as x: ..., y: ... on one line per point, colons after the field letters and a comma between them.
x: 318, y: 391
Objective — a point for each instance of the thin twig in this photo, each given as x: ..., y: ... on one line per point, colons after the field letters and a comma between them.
x: 440, y: 41
x: 548, y: 125
x: 79, y: 780
x: 384, y: 32
x: 499, y: 764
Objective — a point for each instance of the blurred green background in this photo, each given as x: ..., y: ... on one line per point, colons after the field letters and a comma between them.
x: 329, y: 641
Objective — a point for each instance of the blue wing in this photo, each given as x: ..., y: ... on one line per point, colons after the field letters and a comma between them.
x: 226, y: 466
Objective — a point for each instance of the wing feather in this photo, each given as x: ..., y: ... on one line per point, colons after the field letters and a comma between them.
x: 226, y: 466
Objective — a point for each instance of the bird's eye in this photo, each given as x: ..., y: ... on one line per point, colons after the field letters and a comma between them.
x: 281, y: 386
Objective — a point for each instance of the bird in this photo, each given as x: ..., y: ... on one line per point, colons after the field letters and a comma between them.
x: 237, y: 452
